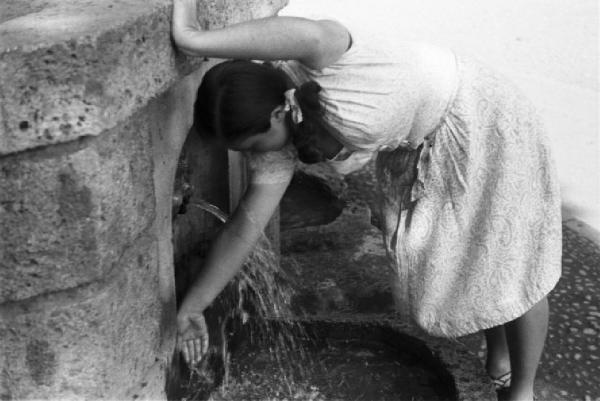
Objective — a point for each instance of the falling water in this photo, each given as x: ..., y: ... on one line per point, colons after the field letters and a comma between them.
x: 275, y: 359
x: 255, y: 304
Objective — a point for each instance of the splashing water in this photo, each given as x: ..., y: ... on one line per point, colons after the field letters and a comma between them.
x: 275, y: 359
x: 212, y: 209
x: 254, y: 304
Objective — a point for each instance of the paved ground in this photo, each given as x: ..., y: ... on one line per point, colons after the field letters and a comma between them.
x: 572, y: 358
x: 570, y: 367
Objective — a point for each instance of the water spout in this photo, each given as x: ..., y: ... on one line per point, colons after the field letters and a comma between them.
x: 210, y: 208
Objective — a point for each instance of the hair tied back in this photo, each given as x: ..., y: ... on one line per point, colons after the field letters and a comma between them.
x: 308, y: 96
x: 291, y: 105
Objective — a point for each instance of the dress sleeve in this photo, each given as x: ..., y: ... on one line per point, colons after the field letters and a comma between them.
x: 276, y: 167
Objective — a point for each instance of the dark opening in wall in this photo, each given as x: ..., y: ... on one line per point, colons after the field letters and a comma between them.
x: 309, y: 201
x: 201, y: 176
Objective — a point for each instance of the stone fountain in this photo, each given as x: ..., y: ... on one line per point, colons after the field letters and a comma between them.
x: 98, y: 168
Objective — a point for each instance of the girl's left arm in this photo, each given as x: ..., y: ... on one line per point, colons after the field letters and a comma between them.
x: 315, y: 43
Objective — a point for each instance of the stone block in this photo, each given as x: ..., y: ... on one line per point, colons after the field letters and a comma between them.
x: 72, y: 69
x: 95, y: 342
x: 67, y: 211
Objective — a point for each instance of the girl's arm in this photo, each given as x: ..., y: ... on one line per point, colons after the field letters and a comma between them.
x: 234, y: 243
x: 226, y: 256
x: 316, y: 44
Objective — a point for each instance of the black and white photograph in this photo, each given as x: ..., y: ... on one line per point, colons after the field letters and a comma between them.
x: 300, y: 200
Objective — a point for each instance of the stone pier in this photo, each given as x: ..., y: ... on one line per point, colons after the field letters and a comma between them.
x: 95, y: 107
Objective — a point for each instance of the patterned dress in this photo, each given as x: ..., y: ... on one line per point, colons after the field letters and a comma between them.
x: 480, y: 244
x: 476, y: 236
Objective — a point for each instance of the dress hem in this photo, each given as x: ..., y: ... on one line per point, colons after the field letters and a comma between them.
x: 516, y: 312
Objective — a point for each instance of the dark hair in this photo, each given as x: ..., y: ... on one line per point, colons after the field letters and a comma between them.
x: 236, y: 98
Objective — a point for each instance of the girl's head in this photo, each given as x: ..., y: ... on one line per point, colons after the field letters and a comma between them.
x: 243, y: 104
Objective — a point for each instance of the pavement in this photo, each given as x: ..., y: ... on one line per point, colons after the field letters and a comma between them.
x: 572, y: 359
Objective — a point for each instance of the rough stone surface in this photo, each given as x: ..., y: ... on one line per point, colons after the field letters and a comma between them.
x: 72, y: 69
x: 572, y: 356
x: 68, y: 210
x: 82, y: 309
x: 85, y: 344
x: 90, y: 136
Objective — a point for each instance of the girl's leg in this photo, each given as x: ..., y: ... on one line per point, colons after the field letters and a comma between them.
x: 497, y: 362
x: 525, y: 337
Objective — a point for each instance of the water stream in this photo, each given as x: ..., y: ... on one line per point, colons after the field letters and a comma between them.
x: 249, y: 310
x: 266, y: 354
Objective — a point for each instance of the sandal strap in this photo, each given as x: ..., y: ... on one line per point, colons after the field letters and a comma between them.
x: 502, y: 381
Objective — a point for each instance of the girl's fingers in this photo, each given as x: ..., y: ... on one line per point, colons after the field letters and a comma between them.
x: 193, y: 351
x: 205, y: 343
x: 186, y: 352
x: 204, y: 336
x: 199, y: 350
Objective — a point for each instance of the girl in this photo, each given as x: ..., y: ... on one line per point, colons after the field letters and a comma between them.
x: 468, y: 190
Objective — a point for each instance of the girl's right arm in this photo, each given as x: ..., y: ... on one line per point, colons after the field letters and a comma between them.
x: 226, y: 256
x: 315, y: 43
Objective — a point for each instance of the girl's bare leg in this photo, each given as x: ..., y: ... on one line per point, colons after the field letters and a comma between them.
x: 497, y: 362
x: 525, y: 337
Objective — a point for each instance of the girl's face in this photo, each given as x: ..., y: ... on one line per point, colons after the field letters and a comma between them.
x: 273, y: 139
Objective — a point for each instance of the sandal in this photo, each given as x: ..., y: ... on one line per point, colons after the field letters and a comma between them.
x: 502, y: 381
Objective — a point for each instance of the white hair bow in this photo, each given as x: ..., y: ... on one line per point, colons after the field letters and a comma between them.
x: 291, y: 104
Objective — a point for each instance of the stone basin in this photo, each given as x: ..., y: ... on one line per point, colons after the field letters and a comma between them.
x: 342, y: 359
x: 353, y: 360
x: 344, y: 339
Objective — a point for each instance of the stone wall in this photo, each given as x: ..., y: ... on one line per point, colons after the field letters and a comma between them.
x: 95, y: 106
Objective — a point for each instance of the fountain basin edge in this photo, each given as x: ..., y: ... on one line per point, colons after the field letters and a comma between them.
x: 448, y: 357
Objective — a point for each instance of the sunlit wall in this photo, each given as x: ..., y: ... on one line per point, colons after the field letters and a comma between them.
x: 549, y: 47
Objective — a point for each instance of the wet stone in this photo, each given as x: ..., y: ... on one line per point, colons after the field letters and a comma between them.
x: 331, y: 370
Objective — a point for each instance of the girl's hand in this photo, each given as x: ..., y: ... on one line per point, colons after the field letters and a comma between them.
x: 192, y: 336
